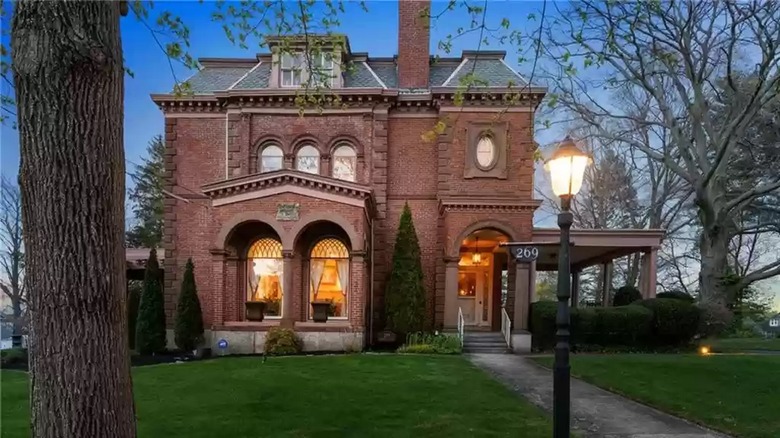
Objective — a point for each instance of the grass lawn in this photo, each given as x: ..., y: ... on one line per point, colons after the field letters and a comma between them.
x: 321, y: 396
x: 735, y: 394
x: 742, y: 344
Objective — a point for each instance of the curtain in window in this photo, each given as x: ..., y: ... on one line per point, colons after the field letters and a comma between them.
x: 317, y: 269
x: 254, y: 280
x: 343, y: 268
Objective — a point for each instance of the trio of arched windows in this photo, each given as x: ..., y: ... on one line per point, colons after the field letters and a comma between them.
x: 307, y: 159
x: 328, y: 275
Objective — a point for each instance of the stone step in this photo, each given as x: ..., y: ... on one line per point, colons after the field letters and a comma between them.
x: 485, y: 344
x: 483, y: 350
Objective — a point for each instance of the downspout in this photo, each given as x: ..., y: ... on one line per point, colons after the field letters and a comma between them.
x: 371, y: 289
x: 227, y: 159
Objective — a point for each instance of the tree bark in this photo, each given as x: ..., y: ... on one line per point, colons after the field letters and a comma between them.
x: 18, y: 325
x: 713, y: 246
x: 68, y: 72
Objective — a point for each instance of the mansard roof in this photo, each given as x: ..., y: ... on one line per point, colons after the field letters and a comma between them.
x: 487, y: 68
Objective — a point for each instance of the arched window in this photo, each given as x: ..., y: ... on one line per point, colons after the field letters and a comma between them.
x: 264, y: 275
x: 272, y: 158
x: 344, y: 163
x: 329, y: 275
x: 308, y: 159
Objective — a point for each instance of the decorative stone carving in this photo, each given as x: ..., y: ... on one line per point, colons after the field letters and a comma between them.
x: 288, y: 212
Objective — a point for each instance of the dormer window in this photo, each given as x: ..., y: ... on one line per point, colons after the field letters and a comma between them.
x: 322, y: 69
x: 294, y: 69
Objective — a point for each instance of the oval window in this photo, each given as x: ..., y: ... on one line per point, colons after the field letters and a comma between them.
x: 486, y: 152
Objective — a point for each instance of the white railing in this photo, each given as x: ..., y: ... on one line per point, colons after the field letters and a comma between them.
x: 506, y: 327
x: 461, y: 326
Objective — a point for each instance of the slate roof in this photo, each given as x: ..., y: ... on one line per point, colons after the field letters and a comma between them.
x: 386, y: 72
x: 212, y: 79
x: 449, y: 72
x: 257, y: 77
x: 359, y: 76
x: 493, y: 71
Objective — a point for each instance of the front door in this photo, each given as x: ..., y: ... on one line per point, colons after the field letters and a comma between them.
x: 474, y: 295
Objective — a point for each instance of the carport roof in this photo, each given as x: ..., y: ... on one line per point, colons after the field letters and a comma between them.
x: 593, y: 247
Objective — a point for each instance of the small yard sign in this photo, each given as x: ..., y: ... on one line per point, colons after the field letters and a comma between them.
x: 524, y: 253
x: 222, y: 344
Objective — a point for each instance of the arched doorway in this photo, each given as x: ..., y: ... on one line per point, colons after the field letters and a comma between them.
x: 482, y: 279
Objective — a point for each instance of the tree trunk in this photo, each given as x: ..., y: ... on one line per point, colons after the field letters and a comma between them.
x: 713, y: 246
x: 67, y: 62
x: 18, y: 325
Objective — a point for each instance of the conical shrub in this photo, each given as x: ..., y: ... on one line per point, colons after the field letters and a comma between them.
x: 188, y: 329
x: 150, y: 326
x: 405, y: 294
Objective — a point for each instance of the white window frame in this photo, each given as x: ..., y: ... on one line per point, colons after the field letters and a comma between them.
x: 292, y: 64
x: 323, y: 61
x: 298, y: 157
x: 335, y: 158
x: 261, y: 166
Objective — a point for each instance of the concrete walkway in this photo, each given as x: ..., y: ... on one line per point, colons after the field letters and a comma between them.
x: 595, y: 412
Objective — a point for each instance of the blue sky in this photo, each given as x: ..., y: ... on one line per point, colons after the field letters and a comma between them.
x: 374, y: 31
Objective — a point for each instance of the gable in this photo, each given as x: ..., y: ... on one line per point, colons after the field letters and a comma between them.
x: 289, y: 181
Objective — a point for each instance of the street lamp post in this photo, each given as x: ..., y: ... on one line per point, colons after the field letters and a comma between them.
x: 567, y: 168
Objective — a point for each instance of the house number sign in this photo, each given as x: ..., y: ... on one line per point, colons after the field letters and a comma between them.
x: 524, y: 254
x: 287, y: 212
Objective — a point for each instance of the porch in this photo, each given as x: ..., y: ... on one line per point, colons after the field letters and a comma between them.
x: 485, y: 290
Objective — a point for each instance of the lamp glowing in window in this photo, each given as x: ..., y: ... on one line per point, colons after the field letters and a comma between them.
x: 476, y: 258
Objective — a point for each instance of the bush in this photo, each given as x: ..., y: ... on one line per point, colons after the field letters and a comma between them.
x: 626, y: 295
x: 405, y: 297
x: 676, y: 295
x: 627, y: 326
x: 543, y: 324
x: 675, y: 322
x: 150, y: 327
x: 188, y: 329
x: 431, y: 343
x: 714, y: 319
x: 13, y: 357
x: 282, y: 341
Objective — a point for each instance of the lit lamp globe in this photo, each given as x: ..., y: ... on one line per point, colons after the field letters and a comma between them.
x: 567, y: 168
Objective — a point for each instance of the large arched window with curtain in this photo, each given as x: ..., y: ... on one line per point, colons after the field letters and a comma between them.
x: 329, y: 276
x: 308, y: 159
x: 271, y: 158
x: 344, y: 163
x: 264, y: 275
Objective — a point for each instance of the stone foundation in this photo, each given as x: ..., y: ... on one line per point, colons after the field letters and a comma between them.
x: 521, y: 342
x: 253, y: 342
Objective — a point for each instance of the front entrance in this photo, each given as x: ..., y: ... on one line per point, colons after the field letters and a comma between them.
x: 481, y: 264
x: 475, y: 297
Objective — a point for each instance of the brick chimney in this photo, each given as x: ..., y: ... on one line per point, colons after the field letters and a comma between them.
x: 414, y: 38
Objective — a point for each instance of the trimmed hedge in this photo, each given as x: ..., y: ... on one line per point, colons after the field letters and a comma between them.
x: 626, y: 295
x: 644, y: 325
x: 675, y: 321
x: 676, y: 295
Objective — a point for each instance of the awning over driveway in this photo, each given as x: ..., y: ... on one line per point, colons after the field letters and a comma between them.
x: 593, y: 247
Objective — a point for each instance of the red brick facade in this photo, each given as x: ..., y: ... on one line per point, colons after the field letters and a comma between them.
x: 223, y: 201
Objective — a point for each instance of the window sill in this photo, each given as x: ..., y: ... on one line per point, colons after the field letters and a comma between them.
x: 337, y: 323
